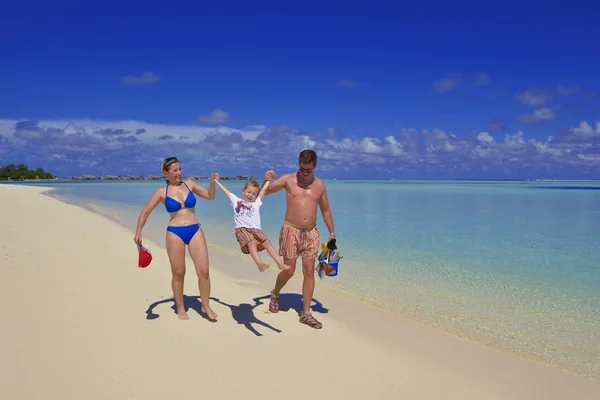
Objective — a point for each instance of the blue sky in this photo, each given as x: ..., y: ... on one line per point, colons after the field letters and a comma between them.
x: 394, y: 91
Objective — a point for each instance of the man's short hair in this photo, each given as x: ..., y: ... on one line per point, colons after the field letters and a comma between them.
x: 308, y: 157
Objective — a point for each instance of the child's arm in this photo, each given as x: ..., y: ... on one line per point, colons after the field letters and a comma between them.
x: 223, y: 188
x: 263, y: 190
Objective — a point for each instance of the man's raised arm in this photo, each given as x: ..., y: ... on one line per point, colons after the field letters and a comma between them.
x: 276, y: 185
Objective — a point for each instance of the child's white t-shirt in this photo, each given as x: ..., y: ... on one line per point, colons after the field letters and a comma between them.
x: 245, y: 214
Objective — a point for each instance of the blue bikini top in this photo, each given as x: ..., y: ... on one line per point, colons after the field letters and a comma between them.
x: 173, y: 205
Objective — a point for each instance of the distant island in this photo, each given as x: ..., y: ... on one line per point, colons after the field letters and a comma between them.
x: 150, y: 177
x: 21, y: 172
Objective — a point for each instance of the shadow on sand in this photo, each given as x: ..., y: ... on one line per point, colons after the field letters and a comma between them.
x: 242, y: 313
x: 189, y: 302
x: 293, y: 301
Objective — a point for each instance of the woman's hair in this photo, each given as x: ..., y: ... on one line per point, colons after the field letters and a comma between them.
x: 251, y: 183
x: 167, y: 162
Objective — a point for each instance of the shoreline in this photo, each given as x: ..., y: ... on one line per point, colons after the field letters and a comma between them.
x: 89, y: 325
x: 351, y: 300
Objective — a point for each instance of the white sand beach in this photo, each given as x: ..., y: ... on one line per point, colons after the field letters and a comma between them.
x: 80, y: 320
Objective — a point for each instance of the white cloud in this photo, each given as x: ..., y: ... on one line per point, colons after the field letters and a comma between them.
x: 435, y: 134
x: 217, y: 116
x: 137, y: 147
x: 586, y: 130
x: 485, y: 137
x: 595, y: 158
x: 537, y: 115
x: 482, y: 152
x: 147, y: 132
x: 534, y: 97
x: 147, y: 78
x: 396, y: 147
x: 514, y: 140
x: 370, y: 145
x: 545, y: 147
x: 447, y: 146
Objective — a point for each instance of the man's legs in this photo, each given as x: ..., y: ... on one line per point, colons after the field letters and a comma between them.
x: 308, y: 283
x: 288, y: 250
x: 292, y: 241
x: 310, y: 245
x: 308, y: 288
x: 284, y: 276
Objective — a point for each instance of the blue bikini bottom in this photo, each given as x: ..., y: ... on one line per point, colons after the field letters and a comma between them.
x: 186, y: 233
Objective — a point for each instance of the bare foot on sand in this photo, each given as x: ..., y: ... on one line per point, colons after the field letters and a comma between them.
x: 283, y: 267
x: 262, y: 267
x: 182, y: 315
x: 208, y: 311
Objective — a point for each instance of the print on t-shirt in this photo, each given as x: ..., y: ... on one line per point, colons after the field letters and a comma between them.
x: 241, y: 205
x: 246, y: 214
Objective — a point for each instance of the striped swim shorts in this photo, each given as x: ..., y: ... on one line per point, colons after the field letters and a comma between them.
x: 246, y: 235
x: 298, y: 242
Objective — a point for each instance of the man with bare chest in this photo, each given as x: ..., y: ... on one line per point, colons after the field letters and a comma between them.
x: 299, y: 235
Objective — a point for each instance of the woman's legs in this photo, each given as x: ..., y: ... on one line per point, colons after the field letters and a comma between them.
x: 176, y: 253
x: 199, y: 253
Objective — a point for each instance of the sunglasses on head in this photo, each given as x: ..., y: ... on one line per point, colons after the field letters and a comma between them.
x: 168, y: 161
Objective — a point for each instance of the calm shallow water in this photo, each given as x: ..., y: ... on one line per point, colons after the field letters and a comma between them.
x: 515, y: 265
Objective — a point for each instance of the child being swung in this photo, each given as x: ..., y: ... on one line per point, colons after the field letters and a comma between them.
x: 246, y: 217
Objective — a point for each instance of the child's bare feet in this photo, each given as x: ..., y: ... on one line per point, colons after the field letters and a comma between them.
x: 282, y: 266
x: 262, y: 267
x: 208, y: 311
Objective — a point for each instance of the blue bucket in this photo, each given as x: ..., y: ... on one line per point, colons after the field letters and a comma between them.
x: 333, y: 268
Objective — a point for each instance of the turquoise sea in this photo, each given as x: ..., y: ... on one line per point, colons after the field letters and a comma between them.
x: 514, y: 265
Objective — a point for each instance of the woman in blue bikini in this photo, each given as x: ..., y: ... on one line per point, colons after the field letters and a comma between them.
x: 183, y: 229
